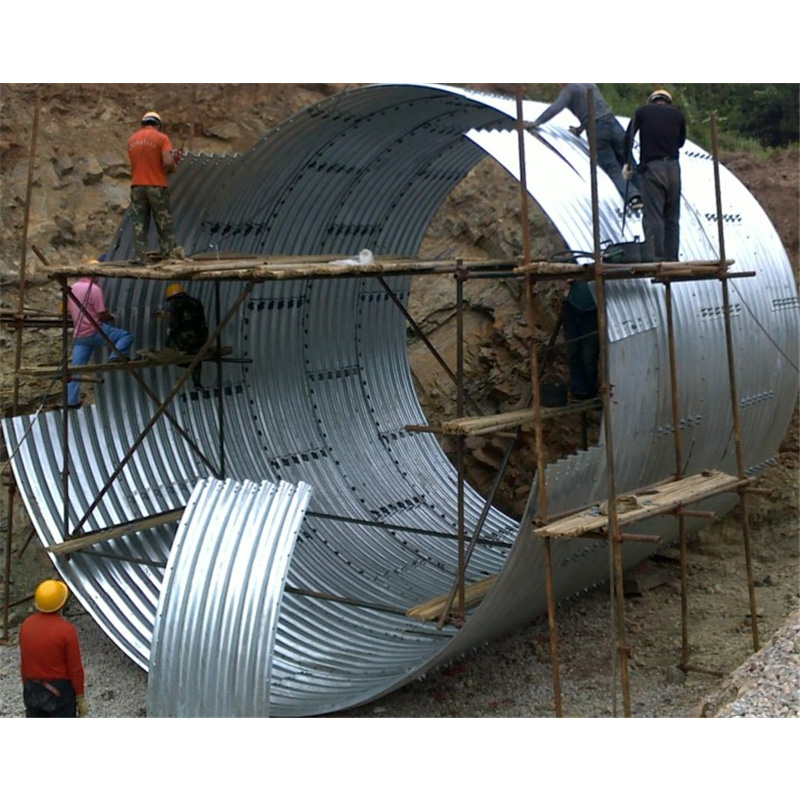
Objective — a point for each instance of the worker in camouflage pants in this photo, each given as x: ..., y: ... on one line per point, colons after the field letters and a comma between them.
x: 187, y: 329
x: 147, y: 201
x: 152, y: 159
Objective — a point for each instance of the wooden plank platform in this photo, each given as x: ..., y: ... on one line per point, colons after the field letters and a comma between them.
x: 637, y: 506
x: 478, y: 426
x: 274, y: 267
x: 432, y: 609
x: 613, y: 270
x: 152, y: 360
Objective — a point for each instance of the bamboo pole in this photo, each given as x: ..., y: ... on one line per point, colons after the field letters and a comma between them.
x: 734, y: 391
x: 460, y: 443
x: 541, y: 467
x: 677, y: 442
x: 162, y: 409
x: 615, y: 547
x: 426, y: 341
x: 130, y: 367
x: 489, y: 501
x: 18, y: 357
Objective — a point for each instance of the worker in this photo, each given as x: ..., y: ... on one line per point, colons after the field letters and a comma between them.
x: 88, y: 310
x: 582, y: 340
x: 662, y: 133
x: 50, y: 657
x: 152, y: 158
x: 609, y: 134
x: 187, y: 329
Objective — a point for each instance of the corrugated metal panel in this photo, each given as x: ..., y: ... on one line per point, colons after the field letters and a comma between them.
x: 326, y: 391
x: 220, y: 601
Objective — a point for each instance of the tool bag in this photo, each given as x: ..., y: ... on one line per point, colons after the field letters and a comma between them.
x: 622, y: 252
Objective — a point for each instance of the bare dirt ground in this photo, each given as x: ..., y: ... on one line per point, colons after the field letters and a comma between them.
x: 79, y: 195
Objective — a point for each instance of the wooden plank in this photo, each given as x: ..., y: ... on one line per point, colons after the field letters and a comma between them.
x: 635, y: 507
x: 261, y: 268
x: 89, y: 539
x: 151, y: 360
x: 477, y: 426
x: 473, y: 594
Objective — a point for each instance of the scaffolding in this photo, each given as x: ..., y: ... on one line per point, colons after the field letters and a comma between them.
x: 671, y: 497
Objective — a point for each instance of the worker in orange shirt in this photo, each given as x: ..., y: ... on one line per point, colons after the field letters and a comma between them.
x: 50, y: 657
x: 152, y: 159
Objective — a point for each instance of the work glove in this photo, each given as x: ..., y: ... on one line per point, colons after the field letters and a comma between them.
x: 575, y: 130
x: 83, y: 707
x: 627, y: 172
x: 178, y: 155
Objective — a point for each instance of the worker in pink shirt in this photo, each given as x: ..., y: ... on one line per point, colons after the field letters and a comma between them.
x: 89, y: 313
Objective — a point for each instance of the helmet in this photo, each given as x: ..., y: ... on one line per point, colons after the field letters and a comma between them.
x: 172, y: 290
x: 152, y: 116
x: 660, y: 94
x: 50, y: 596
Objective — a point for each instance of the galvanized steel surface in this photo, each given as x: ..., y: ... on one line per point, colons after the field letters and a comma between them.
x: 220, y: 600
x: 325, y: 390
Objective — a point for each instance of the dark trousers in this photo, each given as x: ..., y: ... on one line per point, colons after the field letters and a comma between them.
x: 610, y: 139
x: 41, y: 702
x: 583, y: 350
x: 147, y: 202
x: 661, y: 194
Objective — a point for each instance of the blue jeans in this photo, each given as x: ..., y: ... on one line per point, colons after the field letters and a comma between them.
x: 83, y: 348
x: 611, y: 155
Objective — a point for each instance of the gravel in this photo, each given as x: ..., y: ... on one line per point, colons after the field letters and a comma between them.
x: 511, y: 677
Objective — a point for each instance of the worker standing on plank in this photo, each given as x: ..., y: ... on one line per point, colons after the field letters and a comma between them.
x: 152, y: 159
x: 50, y: 657
x: 662, y: 133
x: 187, y: 329
x: 88, y: 311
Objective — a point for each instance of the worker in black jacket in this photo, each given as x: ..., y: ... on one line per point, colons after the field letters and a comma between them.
x: 187, y: 329
x: 662, y: 133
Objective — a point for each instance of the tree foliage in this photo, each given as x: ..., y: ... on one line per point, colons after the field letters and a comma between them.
x: 766, y: 113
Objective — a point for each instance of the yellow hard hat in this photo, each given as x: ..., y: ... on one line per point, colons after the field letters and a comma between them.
x: 172, y: 290
x: 152, y: 116
x: 660, y: 94
x: 50, y: 596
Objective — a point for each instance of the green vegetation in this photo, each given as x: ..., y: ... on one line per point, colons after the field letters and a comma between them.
x: 749, y: 116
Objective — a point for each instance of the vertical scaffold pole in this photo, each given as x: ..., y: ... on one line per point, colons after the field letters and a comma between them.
x: 678, y: 444
x: 460, y: 443
x: 18, y: 360
x: 530, y: 313
x: 614, y: 535
x: 737, y: 425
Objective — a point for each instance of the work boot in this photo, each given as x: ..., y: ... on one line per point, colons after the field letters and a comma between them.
x: 635, y: 204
